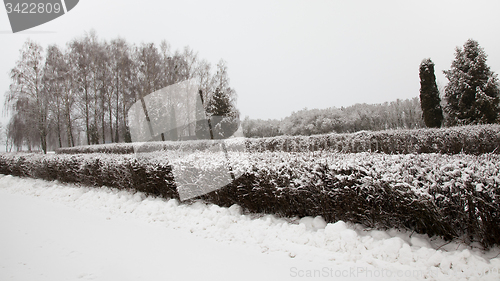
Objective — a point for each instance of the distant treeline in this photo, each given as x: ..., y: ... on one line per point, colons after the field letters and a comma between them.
x: 399, y: 114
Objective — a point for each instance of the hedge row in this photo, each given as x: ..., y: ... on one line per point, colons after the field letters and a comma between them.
x: 119, y: 171
x: 453, y: 196
x: 142, y: 147
x: 475, y: 140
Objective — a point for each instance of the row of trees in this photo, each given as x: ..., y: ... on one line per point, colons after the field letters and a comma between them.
x: 471, y: 95
x: 394, y: 115
x: 81, y: 94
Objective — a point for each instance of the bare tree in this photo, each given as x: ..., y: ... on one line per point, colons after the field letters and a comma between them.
x: 82, y: 94
x: 56, y: 73
x: 121, y: 67
x: 80, y: 60
x: 27, y: 96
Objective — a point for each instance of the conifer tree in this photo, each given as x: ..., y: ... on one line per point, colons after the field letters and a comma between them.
x: 472, y: 94
x: 221, y: 106
x: 429, y: 95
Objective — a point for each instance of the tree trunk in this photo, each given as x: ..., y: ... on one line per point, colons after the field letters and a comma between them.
x: 87, y: 118
x: 117, y: 136
x: 110, y: 119
x: 59, y: 123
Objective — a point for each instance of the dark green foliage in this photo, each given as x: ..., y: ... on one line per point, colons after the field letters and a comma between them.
x: 220, y: 107
x: 476, y: 139
x: 219, y: 104
x: 429, y: 95
x: 463, y: 139
x: 121, y: 148
x: 123, y: 172
x: 302, y: 184
x: 472, y: 94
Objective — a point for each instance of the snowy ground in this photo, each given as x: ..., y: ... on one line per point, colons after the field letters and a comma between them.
x: 54, y: 231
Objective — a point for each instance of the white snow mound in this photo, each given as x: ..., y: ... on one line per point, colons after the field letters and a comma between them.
x: 400, y: 254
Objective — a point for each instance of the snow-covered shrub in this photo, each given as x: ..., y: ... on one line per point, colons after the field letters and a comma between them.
x: 474, y: 139
x: 464, y: 139
x: 119, y: 171
x: 437, y: 194
x: 115, y: 148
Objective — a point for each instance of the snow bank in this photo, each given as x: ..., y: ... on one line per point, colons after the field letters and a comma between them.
x: 398, y: 255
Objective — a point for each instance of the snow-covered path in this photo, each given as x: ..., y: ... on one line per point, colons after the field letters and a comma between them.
x: 41, y: 240
x: 54, y: 231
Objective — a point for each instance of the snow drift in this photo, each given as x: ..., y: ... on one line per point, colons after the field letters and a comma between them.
x: 325, y: 250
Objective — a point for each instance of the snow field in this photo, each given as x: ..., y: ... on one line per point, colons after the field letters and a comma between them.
x: 45, y: 240
x: 308, y: 246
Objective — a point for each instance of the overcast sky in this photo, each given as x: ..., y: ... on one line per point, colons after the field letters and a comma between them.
x: 283, y: 56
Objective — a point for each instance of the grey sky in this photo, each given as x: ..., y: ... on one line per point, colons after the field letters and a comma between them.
x: 287, y: 55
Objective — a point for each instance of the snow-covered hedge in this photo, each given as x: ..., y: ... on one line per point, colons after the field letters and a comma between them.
x: 120, y: 171
x: 130, y: 148
x: 464, y: 139
x: 454, y: 196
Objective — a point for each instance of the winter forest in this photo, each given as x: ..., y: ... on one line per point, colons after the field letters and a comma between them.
x: 80, y: 94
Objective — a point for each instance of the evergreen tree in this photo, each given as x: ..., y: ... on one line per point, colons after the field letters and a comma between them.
x: 429, y: 95
x: 221, y: 106
x: 472, y: 94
